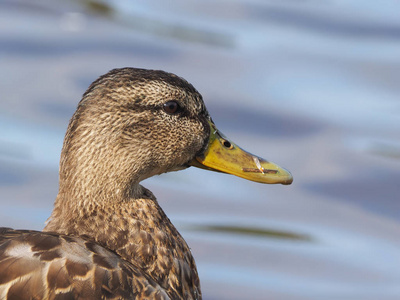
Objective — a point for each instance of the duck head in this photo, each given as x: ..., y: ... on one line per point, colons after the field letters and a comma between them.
x: 132, y: 124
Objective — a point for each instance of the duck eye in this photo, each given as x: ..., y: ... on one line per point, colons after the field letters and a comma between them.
x: 171, y: 107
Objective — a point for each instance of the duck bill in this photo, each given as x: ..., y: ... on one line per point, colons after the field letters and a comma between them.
x: 222, y: 155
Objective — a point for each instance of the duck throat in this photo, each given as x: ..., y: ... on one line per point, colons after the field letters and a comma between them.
x: 139, y: 231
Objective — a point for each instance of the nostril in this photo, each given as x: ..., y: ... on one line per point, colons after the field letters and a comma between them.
x: 227, y: 144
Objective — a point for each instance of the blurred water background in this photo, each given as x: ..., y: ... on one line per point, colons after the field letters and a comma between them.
x: 311, y: 85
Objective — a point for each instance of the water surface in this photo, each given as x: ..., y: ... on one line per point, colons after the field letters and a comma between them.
x: 311, y: 85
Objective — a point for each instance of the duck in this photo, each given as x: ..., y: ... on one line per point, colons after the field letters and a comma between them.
x: 107, y: 236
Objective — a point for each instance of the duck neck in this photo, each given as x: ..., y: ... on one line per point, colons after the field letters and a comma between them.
x: 135, y: 228
x: 115, y: 223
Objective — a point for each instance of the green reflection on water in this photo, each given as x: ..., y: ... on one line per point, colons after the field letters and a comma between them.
x: 385, y: 150
x: 261, y: 232
x: 98, y: 7
x: 157, y: 27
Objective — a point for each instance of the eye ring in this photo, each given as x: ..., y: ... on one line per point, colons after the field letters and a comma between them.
x: 172, y: 107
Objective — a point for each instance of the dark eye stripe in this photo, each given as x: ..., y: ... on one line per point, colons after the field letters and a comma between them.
x: 183, y: 113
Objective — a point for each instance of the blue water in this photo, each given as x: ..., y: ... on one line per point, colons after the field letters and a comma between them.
x: 312, y: 86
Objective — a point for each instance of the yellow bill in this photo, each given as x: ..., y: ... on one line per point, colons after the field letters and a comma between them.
x: 222, y: 155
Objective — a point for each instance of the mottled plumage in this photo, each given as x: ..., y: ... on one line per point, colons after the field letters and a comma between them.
x: 41, y: 265
x: 118, y: 136
x: 107, y: 237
